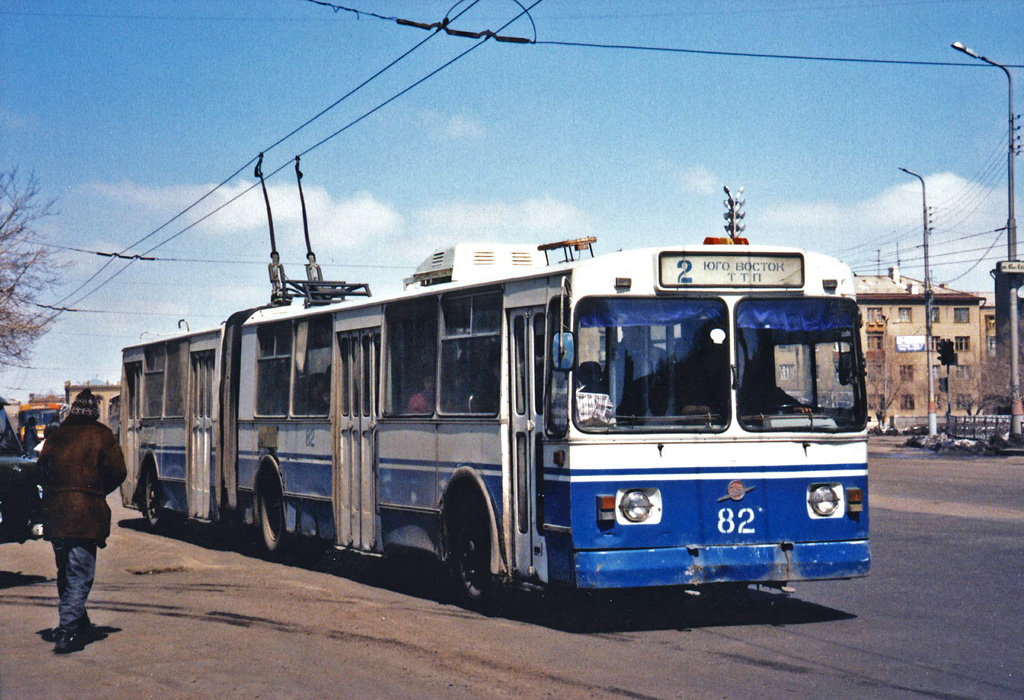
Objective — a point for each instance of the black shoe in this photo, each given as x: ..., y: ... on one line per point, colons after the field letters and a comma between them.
x: 82, y: 624
x: 67, y: 641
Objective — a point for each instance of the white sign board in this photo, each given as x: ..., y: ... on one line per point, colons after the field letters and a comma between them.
x: 910, y: 343
x: 740, y: 269
x: 1015, y: 266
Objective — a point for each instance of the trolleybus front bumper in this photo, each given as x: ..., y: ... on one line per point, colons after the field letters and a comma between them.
x: 674, y: 566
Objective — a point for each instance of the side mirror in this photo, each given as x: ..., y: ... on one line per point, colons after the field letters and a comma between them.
x: 563, y: 352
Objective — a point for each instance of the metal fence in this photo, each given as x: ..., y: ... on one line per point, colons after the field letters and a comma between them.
x: 977, y: 427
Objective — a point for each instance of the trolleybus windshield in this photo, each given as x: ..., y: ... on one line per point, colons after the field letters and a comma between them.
x: 798, y: 366
x: 652, y: 364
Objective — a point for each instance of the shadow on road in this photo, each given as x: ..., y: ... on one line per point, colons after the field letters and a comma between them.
x: 14, y: 579
x: 421, y: 576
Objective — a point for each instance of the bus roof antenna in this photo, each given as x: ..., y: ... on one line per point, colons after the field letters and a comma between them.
x: 278, y: 294
x: 313, y: 272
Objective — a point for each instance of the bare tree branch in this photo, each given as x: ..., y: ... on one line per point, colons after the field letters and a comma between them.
x: 26, y: 269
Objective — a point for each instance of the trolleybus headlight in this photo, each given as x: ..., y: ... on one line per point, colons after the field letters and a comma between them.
x: 635, y: 506
x: 823, y: 500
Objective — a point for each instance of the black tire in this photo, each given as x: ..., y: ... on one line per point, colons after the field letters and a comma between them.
x: 270, y: 505
x: 469, y: 554
x: 150, y: 505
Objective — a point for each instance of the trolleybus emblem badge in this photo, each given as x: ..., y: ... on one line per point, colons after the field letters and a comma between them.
x: 736, y: 491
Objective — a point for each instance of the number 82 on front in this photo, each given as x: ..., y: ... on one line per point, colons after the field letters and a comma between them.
x: 730, y: 521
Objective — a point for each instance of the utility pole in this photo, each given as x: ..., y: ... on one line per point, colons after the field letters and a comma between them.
x: 933, y: 428
x: 1007, y: 287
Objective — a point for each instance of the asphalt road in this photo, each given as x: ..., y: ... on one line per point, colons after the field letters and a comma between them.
x: 185, y: 616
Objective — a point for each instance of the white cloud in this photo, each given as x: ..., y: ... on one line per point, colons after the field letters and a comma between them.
x: 335, y: 224
x: 699, y: 180
x: 496, y: 219
x: 953, y: 199
x: 452, y: 127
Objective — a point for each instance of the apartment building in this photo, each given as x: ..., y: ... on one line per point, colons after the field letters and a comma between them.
x: 893, y: 337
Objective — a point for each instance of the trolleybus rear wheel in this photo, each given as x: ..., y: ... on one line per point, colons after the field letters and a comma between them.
x: 271, y: 514
x: 151, y: 508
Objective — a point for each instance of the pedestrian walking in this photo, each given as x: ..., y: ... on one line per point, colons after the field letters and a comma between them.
x: 80, y: 464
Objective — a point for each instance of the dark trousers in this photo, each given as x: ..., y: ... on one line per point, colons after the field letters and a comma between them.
x: 76, y: 569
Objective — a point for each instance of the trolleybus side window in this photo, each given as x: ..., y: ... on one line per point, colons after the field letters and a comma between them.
x: 273, y: 369
x: 471, y: 354
x: 411, y: 358
x: 797, y: 365
x: 652, y: 364
x: 556, y: 399
x: 174, y: 380
x: 538, y: 362
x: 312, y: 384
x: 153, y: 382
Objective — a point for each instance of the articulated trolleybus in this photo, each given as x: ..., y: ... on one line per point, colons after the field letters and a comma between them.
x: 660, y: 417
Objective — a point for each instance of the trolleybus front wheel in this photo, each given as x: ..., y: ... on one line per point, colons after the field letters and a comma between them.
x: 469, y: 555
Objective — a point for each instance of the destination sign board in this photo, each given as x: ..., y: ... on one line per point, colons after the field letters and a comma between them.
x: 740, y: 269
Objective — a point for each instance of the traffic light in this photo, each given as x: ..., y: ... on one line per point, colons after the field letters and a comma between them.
x: 732, y: 214
x: 947, y: 355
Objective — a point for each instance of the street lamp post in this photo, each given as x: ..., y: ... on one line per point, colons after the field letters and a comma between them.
x: 1011, y: 246
x: 932, y: 422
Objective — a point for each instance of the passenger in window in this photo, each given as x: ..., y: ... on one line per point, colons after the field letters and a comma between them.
x: 594, y: 408
x: 423, y: 401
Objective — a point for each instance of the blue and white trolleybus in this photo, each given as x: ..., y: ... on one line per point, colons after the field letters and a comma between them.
x: 674, y: 416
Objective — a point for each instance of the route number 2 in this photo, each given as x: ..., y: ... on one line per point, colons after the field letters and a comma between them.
x: 684, y: 266
x: 742, y: 522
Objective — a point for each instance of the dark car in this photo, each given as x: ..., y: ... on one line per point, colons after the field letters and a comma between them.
x: 20, y: 497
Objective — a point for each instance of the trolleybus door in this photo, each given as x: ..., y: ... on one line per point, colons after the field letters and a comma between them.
x: 526, y: 372
x: 131, y: 420
x: 354, y: 490
x: 200, y: 430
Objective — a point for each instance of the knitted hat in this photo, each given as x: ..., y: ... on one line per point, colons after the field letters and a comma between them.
x: 86, y: 405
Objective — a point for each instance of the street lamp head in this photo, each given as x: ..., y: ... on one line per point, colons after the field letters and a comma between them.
x: 963, y: 49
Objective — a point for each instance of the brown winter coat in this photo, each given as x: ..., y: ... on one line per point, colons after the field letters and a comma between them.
x: 80, y: 464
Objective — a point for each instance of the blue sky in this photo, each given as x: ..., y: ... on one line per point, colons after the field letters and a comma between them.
x: 128, y: 112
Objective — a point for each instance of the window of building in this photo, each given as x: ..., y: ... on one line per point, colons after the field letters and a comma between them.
x: 961, y: 315
x: 907, y: 402
x: 935, y: 342
x: 312, y: 386
x: 153, y: 382
x: 273, y: 369
x: 905, y: 315
x: 875, y: 341
x: 471, y: 353
x: 411, y: 358
x: 962, y: 342
x: 990, y: 344
x: 935, y: 314
x: 907, y: 372
x: 875, y: 315
x: 963, y: 372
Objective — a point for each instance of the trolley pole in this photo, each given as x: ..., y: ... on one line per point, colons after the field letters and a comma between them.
x: 1010, y: 286
x: 933, y: 427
